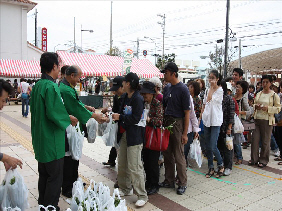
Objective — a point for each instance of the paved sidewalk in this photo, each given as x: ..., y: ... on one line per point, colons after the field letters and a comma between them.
x: 247, y: 188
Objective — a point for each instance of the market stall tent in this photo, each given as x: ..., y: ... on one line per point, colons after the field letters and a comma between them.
x: 19, y: 68
x: 110, y: 66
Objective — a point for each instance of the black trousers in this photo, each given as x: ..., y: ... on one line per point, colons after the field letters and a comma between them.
x: 50, y: 182
x: 112, y: 155
x: 277, y: 132
x: 151, y: 167
x: 226, y: 154
x: 70, y: 174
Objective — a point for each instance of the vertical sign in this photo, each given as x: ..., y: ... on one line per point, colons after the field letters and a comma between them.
x: 44, y: 39
x: 128, y: 55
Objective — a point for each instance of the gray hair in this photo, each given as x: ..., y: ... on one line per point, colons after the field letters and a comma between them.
x: 72, y: 70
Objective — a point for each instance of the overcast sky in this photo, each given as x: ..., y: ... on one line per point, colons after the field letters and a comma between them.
x: 191, y: 28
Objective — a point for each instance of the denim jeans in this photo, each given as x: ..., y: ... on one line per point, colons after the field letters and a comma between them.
x: 238, y: 151
x: 211, y: 137
x: 25, y: 103
x: 187, y: 145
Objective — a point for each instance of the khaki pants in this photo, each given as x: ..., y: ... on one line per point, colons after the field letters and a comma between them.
x: 175, y: 154
x: 130, y: 169
x: 262, y: 132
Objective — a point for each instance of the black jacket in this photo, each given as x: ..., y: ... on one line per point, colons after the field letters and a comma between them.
x: 135, y: 135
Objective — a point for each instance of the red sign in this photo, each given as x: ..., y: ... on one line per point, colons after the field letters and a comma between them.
x: 44, y: 39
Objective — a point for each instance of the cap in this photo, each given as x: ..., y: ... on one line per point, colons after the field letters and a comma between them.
x: 229, y: 86
x: 117, y: 83
x: 148, y: 87
x: 171, y: 67
x: 276, y: 84
x: 132, y: 78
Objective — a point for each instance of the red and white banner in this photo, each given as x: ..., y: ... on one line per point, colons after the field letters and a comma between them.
x: 44, y: 39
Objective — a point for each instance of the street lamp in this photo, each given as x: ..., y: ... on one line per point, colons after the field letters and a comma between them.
x: 85, y: 30
x: 155, y: 47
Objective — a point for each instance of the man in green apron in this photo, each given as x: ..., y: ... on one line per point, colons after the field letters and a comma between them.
x: 83, y: 113
x: 49, y: 119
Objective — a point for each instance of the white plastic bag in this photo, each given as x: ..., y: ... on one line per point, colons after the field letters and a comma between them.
x: 3, y: 189
x: 16, y: 193
x: 75, y: 139
x: 229, y: 142
x: 101, y: 128
x: 238, y: 126
x: 110, y: 134
x: 48, y: 208
x: 12, y: 209
x: 195, y: 152
x: 92, y: 127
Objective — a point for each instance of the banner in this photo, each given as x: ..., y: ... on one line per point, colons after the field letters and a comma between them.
x: 128, y: 55
x: 44, y: 39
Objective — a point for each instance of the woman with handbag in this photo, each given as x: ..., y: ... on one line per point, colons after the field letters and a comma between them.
x: 132, y: 126
x: 244, y: 113
x: 212, y: 116
x: 154, y: 119
x: 267, y: 103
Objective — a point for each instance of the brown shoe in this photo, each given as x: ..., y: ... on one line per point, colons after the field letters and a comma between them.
x: 238, y: 162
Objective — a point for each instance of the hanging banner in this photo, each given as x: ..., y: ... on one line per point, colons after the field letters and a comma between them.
x: 128, y: 55
x: 44, y: 39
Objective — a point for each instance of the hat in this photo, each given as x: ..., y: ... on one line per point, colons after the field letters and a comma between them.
x: 229, y: 86
x: 133, y: 79
x: 171, y: 67
x: 276, y: 84
x: 148, y: 87
x: 117, y: 83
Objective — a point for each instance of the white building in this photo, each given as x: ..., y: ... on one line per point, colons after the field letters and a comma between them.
x: 13, y: 31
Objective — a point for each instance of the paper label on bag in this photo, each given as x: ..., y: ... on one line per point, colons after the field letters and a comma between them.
x: 142, y: 122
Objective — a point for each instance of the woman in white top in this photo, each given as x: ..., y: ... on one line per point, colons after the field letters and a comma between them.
x: 212, y: 116
x: 267, y: 103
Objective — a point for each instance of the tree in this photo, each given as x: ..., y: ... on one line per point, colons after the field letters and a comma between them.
x: 167, y: 58
x: 217, y: 59
x: 115, y: 51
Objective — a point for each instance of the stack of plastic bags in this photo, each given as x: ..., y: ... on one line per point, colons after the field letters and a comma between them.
x: 13, y: 192
x: 96, y: 197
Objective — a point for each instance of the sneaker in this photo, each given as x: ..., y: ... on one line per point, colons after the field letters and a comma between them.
x: 140, y: 203
x: 109, y: 164
x: 181, y: 190
x: 121, y: 193
x: 227, y: 172
x: 276, y: 153
x: 166, y: 185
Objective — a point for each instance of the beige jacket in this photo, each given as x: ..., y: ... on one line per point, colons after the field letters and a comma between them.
x: 273, y: 108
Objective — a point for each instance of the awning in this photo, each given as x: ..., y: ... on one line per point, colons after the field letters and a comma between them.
x: 99, y: 65
x: 19, y: 68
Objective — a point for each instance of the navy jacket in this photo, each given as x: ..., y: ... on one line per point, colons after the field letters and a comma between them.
x: 135, y: 135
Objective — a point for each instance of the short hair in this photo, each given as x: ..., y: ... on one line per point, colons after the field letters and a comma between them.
x: 252, y: 86
x: 202, y: 82
x: 196, y: 86
x: 47, y: 61
x: 22, y: 79
x: 6, y: 86
x: 63, y: 69
x: 228, y: 79
x: 239, y: 71
x: 269, y: 77
x: 72, y: 70
x: 244, y: 85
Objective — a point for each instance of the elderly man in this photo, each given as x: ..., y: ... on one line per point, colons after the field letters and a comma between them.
x: 83, y: 113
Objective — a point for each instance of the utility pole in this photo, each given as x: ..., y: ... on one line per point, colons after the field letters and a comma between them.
x: 74, y: 45
x: 137, y: 48
x: 240, y: 62
x: 35, y: 43
x: 226, y: 38
x: 163, y: 27
x: 111, y: 29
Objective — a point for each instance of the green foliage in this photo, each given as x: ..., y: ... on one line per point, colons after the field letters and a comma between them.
x: 115, y: 52
x: 117, y: 201
x: 167, y: 58
x: 13, y: 180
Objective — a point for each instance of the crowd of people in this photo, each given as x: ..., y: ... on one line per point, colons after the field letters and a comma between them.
x: 193, y: 110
